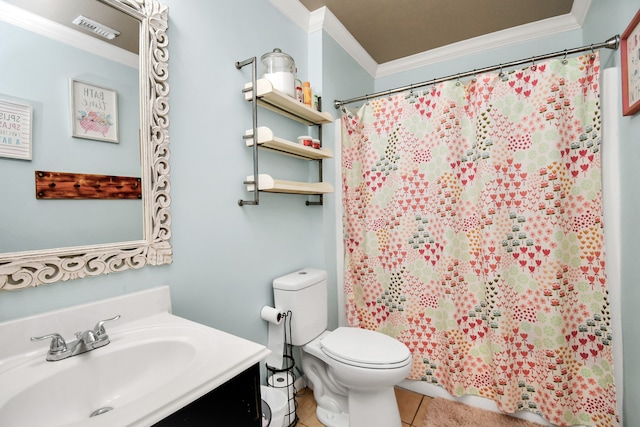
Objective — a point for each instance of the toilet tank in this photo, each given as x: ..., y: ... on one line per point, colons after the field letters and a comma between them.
x: 303, y: 292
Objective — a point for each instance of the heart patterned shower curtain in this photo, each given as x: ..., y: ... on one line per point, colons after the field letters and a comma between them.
x: 473, y: 234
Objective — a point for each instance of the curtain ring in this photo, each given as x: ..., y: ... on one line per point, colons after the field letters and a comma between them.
x: 564, y: 58
x: 501, y: 73
x: 410, y: 94
x: 533, y: 63
x: 458, y: 80
x: 475, y: 76
x: 593, y: 53
x: 433, y: 86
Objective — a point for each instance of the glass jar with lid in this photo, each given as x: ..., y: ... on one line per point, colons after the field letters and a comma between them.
x: 280, y: 69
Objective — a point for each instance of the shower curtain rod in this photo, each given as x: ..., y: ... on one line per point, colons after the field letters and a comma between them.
x: 612, y: 43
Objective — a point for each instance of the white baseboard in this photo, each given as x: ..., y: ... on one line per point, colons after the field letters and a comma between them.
x: 300, y: 383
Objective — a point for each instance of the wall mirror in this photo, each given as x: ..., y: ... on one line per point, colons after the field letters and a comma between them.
x: 37, y: 247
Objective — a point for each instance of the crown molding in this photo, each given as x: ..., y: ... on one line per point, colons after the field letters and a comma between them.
x: 508, y: 37
x: 325, y: 20
x: 317, y: 18
x: 580, y: 10
x: 53, y: 30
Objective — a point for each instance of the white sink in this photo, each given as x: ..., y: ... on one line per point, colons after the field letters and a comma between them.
x: 151, y: 368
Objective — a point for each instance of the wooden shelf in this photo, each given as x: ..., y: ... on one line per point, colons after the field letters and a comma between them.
x: 268, y: 184
x: 274, y: 100
x: 261, y: 93
x: 267, y: 140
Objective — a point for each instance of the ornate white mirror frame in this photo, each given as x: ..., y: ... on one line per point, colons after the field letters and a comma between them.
x: 20, y: 270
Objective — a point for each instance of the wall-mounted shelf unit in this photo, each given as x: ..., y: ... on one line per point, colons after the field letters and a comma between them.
x: 270, y: 185
x: 272, y: 99
x: 267, y: 140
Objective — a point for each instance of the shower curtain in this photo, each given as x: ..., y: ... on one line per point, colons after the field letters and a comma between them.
x: 473, y: 234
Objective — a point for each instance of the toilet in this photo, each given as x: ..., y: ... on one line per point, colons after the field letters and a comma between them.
x: 352, y: 371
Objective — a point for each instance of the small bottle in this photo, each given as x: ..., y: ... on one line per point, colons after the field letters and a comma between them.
x: 299, y: 96
x: 316, y: 101
x: 307, y: 93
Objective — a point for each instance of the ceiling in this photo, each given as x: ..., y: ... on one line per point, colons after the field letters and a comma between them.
x: 387, y: 30
x: 393, y: 29
x: 65, y: 11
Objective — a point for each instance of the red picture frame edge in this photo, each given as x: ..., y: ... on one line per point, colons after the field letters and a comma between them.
x: 627, y: 110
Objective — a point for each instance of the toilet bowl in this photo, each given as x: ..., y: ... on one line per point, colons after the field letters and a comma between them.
x: 352, y: 371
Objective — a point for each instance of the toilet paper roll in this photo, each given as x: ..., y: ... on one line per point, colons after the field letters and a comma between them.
x: 270, y: 314
x: 275, y: 338
x: 285, y: 381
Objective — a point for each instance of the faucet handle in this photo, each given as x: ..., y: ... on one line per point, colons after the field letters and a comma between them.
x: 58, y: 344
x: 99, y: 328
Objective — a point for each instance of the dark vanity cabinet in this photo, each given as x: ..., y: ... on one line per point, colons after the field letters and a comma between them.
x: 236, y: 403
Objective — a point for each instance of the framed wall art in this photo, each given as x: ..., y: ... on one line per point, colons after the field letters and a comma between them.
x: 94, y: 111
x: 630, y: 52
x: 15, y: 129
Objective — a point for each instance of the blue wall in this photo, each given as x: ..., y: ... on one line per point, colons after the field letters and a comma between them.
x: 36, y: 71
x: 605, y: 19
x: 225, y: 256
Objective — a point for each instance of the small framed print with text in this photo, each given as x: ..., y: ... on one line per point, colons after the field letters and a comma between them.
x: 94, y: 111
x: 15, y: 130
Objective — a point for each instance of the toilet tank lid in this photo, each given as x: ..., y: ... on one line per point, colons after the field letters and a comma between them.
x: 299, y: 279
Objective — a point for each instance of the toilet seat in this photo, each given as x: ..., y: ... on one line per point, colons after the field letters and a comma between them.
x: 365, y: 348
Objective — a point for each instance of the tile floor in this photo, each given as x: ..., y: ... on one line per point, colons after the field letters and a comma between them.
x: 413, y: 407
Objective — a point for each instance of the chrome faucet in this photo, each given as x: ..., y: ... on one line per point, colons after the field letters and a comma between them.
x: 85, y: 341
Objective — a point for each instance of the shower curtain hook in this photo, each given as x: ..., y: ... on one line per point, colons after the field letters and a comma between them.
x: 458, y: 80
x: 433, y: 86
x: 475, y: 76
x: 593, y: 53
x: 533, y: 63
x: 410, y: 94
x: 564, y: 58
x: 501, y: 73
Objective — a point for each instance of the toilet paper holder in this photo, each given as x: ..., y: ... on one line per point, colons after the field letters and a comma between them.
x: 284, y: 378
